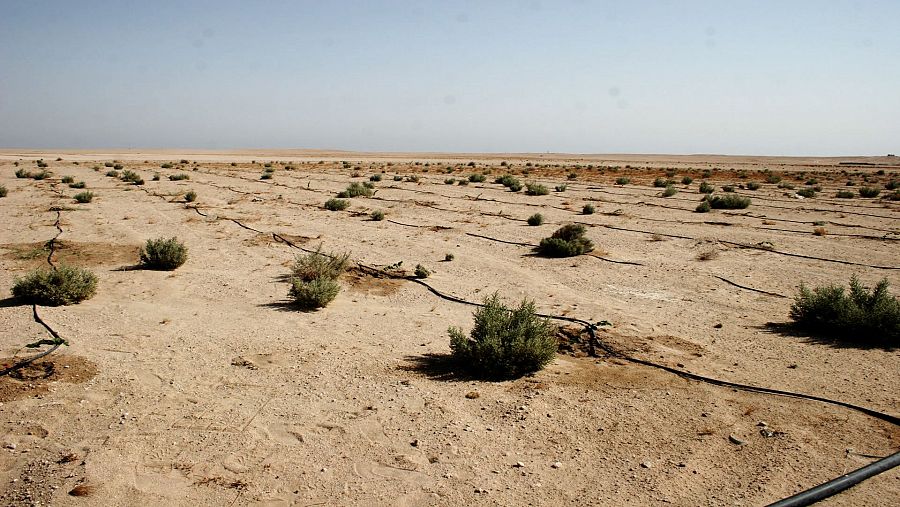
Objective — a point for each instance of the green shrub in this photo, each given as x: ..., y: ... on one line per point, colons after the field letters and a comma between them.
x: 572, y: 176
x: 894, y: 196
x: 377, y: 216
x: 375, y: 177
x: 845, y: 194
x: 107, y: 164
x: 118, y: 167
x: 860, y: 317
x: 812, y: 182
x: 892, y: 185
x: 156, y: 176
x: 661, y: 183
x: 449, y: 181
x: 337, y: 204
x: 731, y: 201
x: 356, y: 189
x: 728, y: 188
x: 588, y: 209
x: 687, y: 180
x: 112, y: 174
x: 314, y: 278
x: 669, y: 191
x: 132, y: 177
x: 84, y: 197
x: 536, y: 219
x: 807, y: 192
x: 752, y: 185
x: 266, y: 176
x: 43, y: 175
x: 567, y: 241
x: 773, y: 178
x: 68, y: 179
x: 80, y: 184
x: 3, y: 191
x: 65, y: 285
x: 190, y: 196
x: 515, y: 187
x: 397, y: 177
x: 622, y: 180
x: 508, y: 180
x: 316, y: 293
x: 703, y: 207
x: 706, y: 188
x: 179, y: 177
x: 22, y: 173
x: 869, y: 192
x: 462, y: 183
x: 163, y: 254
x: 166, y: 166
x: 505, y: 343
x: 561, y: 188
x: 449, y: 257
x: 421, y: 271
x: 786, y: 185
x: 536, y: 189
x: 477, y: 178
x: 412, y: 178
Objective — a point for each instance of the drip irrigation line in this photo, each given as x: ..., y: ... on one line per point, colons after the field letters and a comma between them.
x: 749, y: 288
x: 530, y: 245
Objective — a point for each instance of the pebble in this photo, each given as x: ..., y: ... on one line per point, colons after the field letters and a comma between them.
x: 735, y: 440
x: 762, y: 424
x: 646, y: 464
x: 519, y: 464
x: 10, y: 446
x: 556, y: 464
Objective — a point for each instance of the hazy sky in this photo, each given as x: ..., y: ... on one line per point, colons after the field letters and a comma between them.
x: 783, y: 77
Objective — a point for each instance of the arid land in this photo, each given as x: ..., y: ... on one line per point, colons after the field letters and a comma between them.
x: 205, y: 386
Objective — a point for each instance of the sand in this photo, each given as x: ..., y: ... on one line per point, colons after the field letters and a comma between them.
x: 202, y: 386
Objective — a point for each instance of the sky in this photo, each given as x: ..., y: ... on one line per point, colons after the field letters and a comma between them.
x: 680, y: 77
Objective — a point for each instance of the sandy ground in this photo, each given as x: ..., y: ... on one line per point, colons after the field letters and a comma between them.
x: 203, y: 387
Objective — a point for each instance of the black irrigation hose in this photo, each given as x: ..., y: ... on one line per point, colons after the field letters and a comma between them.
x: 749, y: 288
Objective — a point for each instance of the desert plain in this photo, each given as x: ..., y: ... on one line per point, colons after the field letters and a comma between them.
x: 205, y: 386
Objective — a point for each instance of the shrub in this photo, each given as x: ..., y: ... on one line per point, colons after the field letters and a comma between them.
x: 356, y: 189
x: 661, y: 183
x: 687, y: 180
x: 477, y: 178
x: 861, y: 316
x: 536, y: 219
x: 561, y: 188
x: 132, y: 177
x: 375, y: 177
x: 449, y: 181
x: 412, y: 178
x: 22, y: 173
x: 68, y: 179
x: 84, y: 197
x: 43, y: 175
x: 850, y: 183
x: 190, y: 196
x: 505, y: 343
x: 80, y: 184
x: 588, y: 209
x: 869, y: 192
x: 421, y: 271
x: 895, y: 196
x: 337, y: 204
x: 156, y: 177
x: 892, y: 185
x: 845, y: 194
x: 567, y: 241
x: 314, y: 278
x: 752, y: 185
x: 65, y: 285
x: 786, y: 185
x: 266, y: 176
x: 112, y: 174
x: 669, y: 191
x: 166, y: 166
x: 728, y: 188
x: 107, y: 164
x: 118, y: 167
x: 536, y: 189
x: 807, y: 192
x: 397, y: 177
x: 449, y: 257
x: 377, y: 216
x: 622, y: 180
x: 732, y: 201
x: 179, y: 177
x: 812, y: 182
x: 515, y: 187
x: 820, y: 231
x: 706, y: 188
x: 773, y: 178
x: 3, y: 191
x: 507, y: 180
x: 703, y: 207
x: 163, y: 254
x: 462, y: 183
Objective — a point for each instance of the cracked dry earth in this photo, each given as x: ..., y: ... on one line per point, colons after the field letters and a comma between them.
x: 202, y: 386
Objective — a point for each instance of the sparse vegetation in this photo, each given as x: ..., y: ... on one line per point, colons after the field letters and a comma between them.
x: 377, y: 216
x: 3, y: 191
x: 807, y: 192
x: 706, y: 188
x: 65, y: 285
x: 669, y: 191
x: 80, y: 184
x: 179, y: 177
x: 477, y: 178
x: 703, y: 207
x: 731, y: 201
x: 190, y: 196
x: 314, y: 278
x: 449, y: 257
x: 860, y: 317
x: 561, y: 188
x: 84, y: 197
x: 337, y: 204
x: 567, y: 241
x: 356, y: 189
x: 504, y: 343
x: 845, y: 194
x: 22, y: 173
x: 163, y: 254
x: 536, y: 219
x: 772, y: 178
x: 869, y: 192
x: 588, y: 209
x: 687, y: 180
x: 421, y: 271
x: 622, y: 180
x: 752, y: 185
x: 536, y: 189
x: 375, y: 177
x: 68, y: 179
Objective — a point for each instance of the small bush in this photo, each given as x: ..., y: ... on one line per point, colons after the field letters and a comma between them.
x: 861, y: 317
x: 156, y: 177
x: 314, y: 278
x: 845, y: 194
x: 449, y: 181
x: 356, y: 189
x: 375, y: 177
x: 706, y: 188
x: 515, y: 187
x: 179, y: 177
x: 508, y: 180
x: 3, y: 191
x: 661, y: 183
x: 163, y: 254
x: 377, y: 216
x: 588, y: 209
x: 112, y: 174
x: 807, y: 192
x: 786, y: 185
x: 567, y: 241
x: 412, y: 178
x: 536, y: 189
x: 669, y: 191
x: 337, y: 204
x: 397, y: 177
x: 107, y: 164
x: 731, y: 201
x: 773, y: 178
x: 623, y: 180
x: 703, y: 207
x: 728, y: 188
x: 462, y: 183
x: 22, y: 173
x: 84, y: 197
x: 190, y: 196
x: 132, y: 177
x: 166, y: 166
x: 752, y: 185
x: 80, y: 184
x: 892, y: 185
x: 561, y: 188
x: 421, y: 271
x: 65, y: 285
x: 316, y: 293
x: 505, y: 343
x: 449, y: 257
x: 68, y: 179
x: 869, y: 192
x: 477, y: 178
x: 43, y: 175
x: 687, y: 180
x: 536, y: 219
x: 266, y: 176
